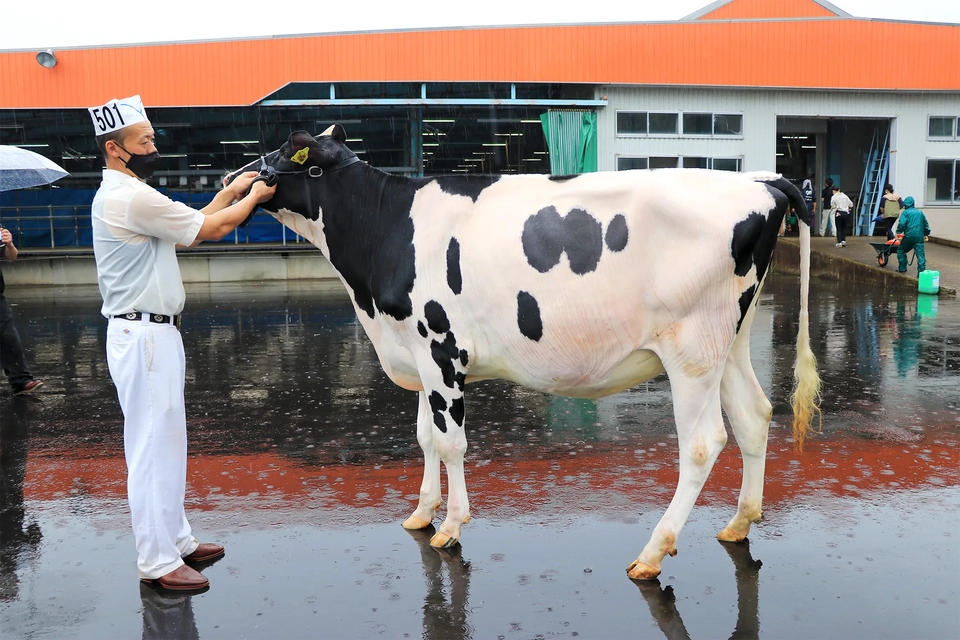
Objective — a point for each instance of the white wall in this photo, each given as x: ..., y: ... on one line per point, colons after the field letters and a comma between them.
x: 760, y: 108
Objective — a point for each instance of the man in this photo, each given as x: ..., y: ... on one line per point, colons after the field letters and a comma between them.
x: 915, y: 229
x: 12, y: 360
x: 135, y: 233
x: 841, y: 206
x: 826, y: 215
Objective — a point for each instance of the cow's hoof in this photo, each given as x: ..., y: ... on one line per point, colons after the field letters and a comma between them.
x: 413, y: 522
x: 641, y: 571
x: 443, y: 541
x: 729, y: 535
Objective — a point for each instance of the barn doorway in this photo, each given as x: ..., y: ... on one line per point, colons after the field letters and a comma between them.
x: 853, y: 152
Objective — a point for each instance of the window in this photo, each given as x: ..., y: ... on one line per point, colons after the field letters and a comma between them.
x: 697, y: 124
x: 726, y: 164
x: 669, y: 162
x: 631, y: 122
x: 942, y: 127
x: 663, y: 123
x: 943, y: 181
x: 638, y: 123
x: 625, y: 163
x: 725, y: 124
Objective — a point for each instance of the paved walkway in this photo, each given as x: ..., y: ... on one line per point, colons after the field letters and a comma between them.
x: 940, y: 257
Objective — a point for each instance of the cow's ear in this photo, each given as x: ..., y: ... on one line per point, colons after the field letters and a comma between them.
x: 300, y: 139
x: 336, y: 131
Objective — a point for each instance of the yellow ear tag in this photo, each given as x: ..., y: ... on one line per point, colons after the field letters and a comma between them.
x: 300, y: 156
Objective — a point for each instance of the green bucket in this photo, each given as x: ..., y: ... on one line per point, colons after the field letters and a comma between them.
x: 929, y: 282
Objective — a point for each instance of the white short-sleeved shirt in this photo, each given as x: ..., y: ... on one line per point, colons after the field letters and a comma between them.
x: 135, y: 232
x: 841, y: 201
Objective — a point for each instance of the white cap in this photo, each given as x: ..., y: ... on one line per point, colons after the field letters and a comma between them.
x: 117, y: 114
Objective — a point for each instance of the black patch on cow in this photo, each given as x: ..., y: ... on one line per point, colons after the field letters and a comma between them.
x: 369, y: 232
x: 469, y: 186
x: 745, y: 299
x: 436, y: 317
x: 438, y: 405
x: 543, y: 239
x: 528, y: 316
x: 457, y: 411
x: 746, y: 233
x: 755, y: 237
x: 464, y: 357
x: 547, y: 235
x: 444, y: 353
x: 460, y: 379
x: 617, y: 233
x: 564, y: 178
x: 454, y: 278
x: 421, y: 329
x: 583, y: 241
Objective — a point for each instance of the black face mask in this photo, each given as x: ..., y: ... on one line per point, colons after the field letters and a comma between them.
x: 142, y: 164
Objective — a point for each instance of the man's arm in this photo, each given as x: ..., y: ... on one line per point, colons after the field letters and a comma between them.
x: 230, y: 193
x: 9, y: 250
x: 218, y: 224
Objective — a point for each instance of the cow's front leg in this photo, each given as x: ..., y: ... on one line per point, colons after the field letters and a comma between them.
x: 430, y: 498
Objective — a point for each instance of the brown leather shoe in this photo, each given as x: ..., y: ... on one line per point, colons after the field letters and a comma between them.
x: 206, y: 552
x: 183, y: 578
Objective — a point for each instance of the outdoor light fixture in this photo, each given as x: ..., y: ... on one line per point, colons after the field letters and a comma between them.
x: 47, y: 59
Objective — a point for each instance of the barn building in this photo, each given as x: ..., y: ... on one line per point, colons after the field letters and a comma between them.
x: 794, y: 86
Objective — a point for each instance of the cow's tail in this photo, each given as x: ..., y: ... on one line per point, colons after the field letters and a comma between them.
x: 805, y: 398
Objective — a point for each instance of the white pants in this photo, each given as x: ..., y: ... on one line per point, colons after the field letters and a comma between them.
x: 147, y: 366
x: 826, y: 221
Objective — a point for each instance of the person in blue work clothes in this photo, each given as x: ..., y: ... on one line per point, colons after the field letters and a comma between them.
x: 915, y: 229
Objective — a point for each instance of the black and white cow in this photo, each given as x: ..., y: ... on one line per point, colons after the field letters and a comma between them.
x: 578, y: 286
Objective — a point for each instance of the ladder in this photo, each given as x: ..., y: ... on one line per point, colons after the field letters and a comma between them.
x: 874, y: 179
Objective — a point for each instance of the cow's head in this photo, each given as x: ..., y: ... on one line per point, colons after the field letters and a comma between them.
x: 304, y: 169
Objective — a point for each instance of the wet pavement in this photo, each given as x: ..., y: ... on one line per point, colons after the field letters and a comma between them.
x: 304, y: 462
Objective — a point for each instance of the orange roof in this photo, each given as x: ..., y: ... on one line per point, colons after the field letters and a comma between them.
x: 805, y: 52
x: 760, y: 9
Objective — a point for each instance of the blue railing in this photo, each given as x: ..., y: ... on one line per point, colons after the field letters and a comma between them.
x: 68, y: 227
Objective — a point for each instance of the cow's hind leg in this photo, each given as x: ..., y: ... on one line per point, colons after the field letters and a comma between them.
x: 701, y: 437
x: 430, y: 498
x: 749, y: 413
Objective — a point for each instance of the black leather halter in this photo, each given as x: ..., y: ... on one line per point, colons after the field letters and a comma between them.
x: 270, y: 176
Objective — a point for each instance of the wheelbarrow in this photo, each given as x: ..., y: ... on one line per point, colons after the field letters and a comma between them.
x: 884, y: 249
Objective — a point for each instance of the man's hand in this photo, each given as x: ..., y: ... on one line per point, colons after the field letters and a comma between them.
x: 9, y: 251
x: 261, y: 192
x: 238, y: 188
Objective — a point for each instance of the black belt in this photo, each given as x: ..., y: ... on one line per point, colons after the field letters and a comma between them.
x: 156, y: 318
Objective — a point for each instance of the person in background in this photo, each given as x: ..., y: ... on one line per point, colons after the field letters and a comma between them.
x: 915, y: 229
x: 826, y: 215
x: 12, y: 360
x: 890, y: 206
x: 136, y: 230
x: 841, y: 206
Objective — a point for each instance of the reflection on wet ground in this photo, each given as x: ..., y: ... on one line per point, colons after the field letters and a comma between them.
x: 304, y: 461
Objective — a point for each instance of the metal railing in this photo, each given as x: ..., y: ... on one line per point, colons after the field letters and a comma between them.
x: 68, y: 227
